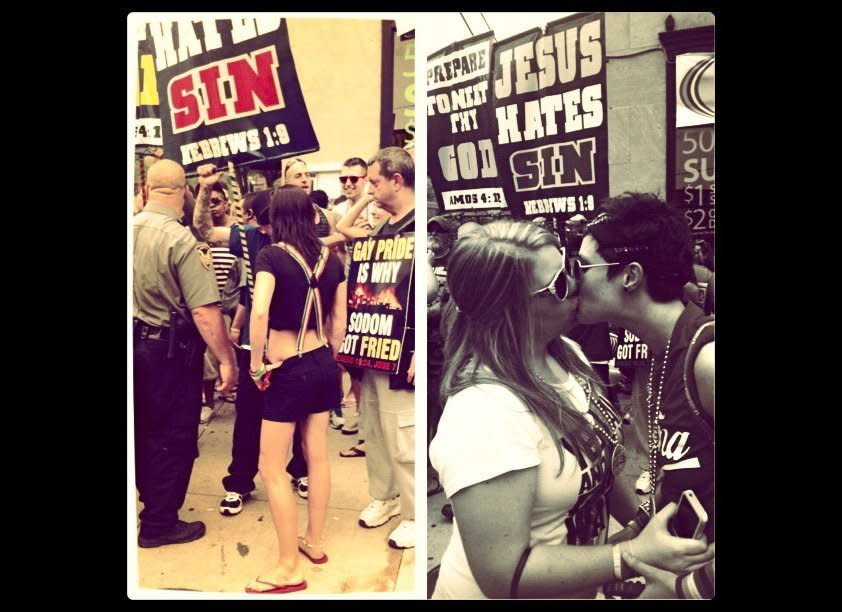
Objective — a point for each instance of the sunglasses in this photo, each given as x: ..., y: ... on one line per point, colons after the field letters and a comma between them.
x: 558, y: 287
x: 576, y: 268
x: 353, y: 179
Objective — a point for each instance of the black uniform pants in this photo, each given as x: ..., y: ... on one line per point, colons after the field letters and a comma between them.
x: 245, y: 449
x: 167, y: 407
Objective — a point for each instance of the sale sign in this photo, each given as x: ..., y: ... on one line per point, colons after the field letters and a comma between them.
x: 228, y: 91
x: 693, y: 188
x: 550, y: 106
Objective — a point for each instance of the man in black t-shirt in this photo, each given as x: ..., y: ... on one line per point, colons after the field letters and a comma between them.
x: 388, y: 402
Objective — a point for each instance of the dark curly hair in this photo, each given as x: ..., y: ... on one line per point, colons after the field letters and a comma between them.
x: 641, y: 227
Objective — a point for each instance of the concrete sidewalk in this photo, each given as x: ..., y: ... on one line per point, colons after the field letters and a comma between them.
x: 236, y: 549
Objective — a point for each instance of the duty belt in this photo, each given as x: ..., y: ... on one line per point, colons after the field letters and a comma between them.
x: 144, y: 331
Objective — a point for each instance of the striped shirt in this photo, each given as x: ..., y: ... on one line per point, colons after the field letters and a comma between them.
x: 223, y: 259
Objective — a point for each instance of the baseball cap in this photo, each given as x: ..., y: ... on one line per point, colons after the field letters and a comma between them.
x: 260, y: 205
x: 442, y: 224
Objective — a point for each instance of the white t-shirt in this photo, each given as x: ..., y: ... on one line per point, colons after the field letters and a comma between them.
x: 341, y: 209
x: 486, y: 431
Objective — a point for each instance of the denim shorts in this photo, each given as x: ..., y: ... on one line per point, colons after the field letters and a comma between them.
x: 302, y: 386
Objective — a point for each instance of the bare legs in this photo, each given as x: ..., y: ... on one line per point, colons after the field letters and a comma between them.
x: 275, y: 441
x: 314, y: 442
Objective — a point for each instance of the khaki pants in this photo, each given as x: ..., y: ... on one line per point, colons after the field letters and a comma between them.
x: 390, y: 440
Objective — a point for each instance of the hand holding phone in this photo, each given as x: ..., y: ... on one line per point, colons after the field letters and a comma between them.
x: 690, y: 518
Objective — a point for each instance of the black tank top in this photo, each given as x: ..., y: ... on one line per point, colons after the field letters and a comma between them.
x: 291, y: 287
x: 323, y: 226
x: 686, y: 452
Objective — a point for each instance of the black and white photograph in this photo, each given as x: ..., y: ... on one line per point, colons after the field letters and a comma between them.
x: 570, y: 305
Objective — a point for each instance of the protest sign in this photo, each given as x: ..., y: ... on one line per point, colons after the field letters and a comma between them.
x: 549, y: 98
x: 378, y: 302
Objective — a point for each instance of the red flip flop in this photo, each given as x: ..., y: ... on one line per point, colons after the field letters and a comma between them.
x: 303, y: 545
x: 278, y: 588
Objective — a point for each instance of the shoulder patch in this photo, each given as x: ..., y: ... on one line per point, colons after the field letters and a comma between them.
x: 205, y: 255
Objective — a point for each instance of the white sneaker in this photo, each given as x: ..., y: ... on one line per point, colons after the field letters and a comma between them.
x: 232, y: 503
x: 403, y: 536
x: 301, y: 486
x: 336, y: 421
x: 207, y: 414
x: 379, y: 512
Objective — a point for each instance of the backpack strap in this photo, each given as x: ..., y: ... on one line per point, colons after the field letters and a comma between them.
x: 313, y: 297
x: 704, y: 334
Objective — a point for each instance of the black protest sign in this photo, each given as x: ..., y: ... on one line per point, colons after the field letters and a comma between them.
x: 549, y: 98
x: 147, y: 126
x: 379, y: 283
x: 631, y: 350
x: 460, y: 127
x: 229, y: 91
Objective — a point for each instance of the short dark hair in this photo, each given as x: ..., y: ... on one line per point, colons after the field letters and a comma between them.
x: 258, y: 203
x: 641, y: 227
x: 319, y: 197
x: 355, y: 161
x: 218, y: 186
x: 394, y: 160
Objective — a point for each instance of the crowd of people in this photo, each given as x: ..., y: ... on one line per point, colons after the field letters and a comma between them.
x: 525, y: 435
x: 276, y: 344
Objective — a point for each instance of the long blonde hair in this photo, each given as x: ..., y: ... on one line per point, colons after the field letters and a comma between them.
x: 490, y: 329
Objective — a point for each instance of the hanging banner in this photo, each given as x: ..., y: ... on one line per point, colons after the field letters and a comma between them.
x: 147, y: 126
x: 460, y: 127
x: 403, y: 93
x: 379, y: 282
x: 228, y: 91
x: 550, y: 104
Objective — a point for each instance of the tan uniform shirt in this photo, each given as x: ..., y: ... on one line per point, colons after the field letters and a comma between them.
x: 172, y: 271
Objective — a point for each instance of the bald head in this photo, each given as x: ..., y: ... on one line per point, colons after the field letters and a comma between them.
x: 165, y: 183
x: 165, y: 175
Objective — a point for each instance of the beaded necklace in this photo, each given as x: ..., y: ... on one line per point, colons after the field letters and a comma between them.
x: 609, y: 417
x: 653, y: 428
x: 618, y: 454
x: 588, y: 517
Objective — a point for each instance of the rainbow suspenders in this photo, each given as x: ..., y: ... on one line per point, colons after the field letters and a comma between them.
x: 313, y: 299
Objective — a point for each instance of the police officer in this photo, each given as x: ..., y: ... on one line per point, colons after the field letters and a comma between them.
x: 176, y: 314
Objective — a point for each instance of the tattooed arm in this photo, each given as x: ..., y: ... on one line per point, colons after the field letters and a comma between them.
x: 202, y: 220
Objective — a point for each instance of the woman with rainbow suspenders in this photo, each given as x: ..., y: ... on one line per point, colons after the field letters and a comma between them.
x: 297, y: 326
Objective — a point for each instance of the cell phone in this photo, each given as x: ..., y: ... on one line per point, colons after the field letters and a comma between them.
x: 690, y: 518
